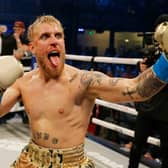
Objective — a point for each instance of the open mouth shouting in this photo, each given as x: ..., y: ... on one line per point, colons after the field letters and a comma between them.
x: 54, y: 58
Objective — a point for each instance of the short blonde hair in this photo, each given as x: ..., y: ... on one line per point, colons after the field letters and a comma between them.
x: 40, y: 20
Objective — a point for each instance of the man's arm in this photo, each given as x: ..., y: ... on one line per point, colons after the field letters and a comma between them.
x: 148, y: 84
x: 10, y: 71
x: 9, y: 99
x: 112, y: 89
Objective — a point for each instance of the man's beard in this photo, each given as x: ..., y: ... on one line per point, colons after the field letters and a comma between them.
x: 51, y: 72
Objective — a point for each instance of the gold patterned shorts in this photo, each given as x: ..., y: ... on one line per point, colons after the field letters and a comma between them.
x: 34, y: 156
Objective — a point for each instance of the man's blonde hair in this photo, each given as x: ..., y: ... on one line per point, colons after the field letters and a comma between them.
x: 42, y: 19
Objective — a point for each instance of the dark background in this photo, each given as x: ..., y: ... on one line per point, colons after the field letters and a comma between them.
x: 119, y: 15
x: 113, y: 15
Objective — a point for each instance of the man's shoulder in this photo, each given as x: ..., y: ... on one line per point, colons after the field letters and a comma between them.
x: 28, y: 75
x: 71, y: 68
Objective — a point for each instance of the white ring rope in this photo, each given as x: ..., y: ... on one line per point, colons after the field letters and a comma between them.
x: 119, y: 107
x: 130, y: 61
x: 100, y: 59
x: 125, y: 131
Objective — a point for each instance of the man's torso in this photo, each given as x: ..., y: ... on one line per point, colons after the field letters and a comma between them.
x: 59, y: 111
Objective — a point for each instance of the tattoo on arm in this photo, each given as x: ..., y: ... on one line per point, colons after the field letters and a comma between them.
x: 148, y: 85
x: 73, y: 77
x: 129, y: 93
x: 114, y: 81
x: 91, y: 78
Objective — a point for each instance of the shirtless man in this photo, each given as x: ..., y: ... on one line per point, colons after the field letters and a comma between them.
x: 59, y: 99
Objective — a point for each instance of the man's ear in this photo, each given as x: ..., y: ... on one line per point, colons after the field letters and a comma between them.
x: 31, y: 47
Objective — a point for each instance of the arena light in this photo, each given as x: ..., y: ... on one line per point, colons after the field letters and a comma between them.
x: 81, y: 30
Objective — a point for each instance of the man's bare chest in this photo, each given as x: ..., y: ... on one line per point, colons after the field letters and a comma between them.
x: 51, y: 99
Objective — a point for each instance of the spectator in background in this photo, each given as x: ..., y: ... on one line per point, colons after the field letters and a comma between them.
x: 16, y: 43
x: 3, y: 30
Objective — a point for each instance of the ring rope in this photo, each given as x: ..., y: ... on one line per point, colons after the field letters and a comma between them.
x: 125, y: 131
x: 122, y: 108
x: 100, y: 59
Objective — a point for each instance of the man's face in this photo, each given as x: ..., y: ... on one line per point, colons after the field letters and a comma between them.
x: 49, y: 48
x: 18, y: 30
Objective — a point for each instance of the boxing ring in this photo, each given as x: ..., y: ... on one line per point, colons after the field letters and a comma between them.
x: 14, y: 135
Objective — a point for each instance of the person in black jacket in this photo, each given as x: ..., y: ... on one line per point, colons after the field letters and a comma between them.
x: 3, y: 29
x: 15, y: 43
